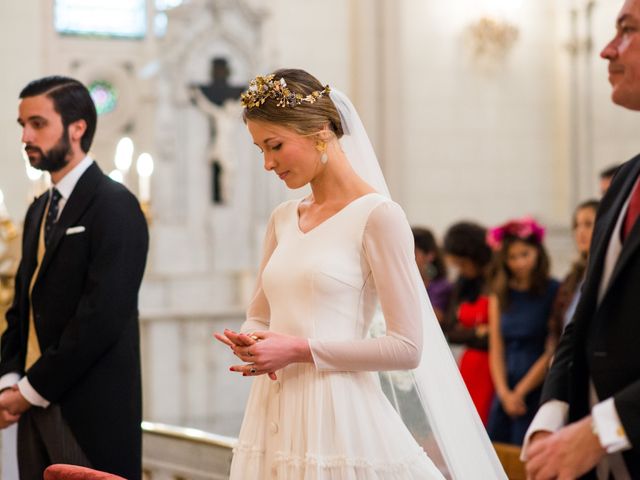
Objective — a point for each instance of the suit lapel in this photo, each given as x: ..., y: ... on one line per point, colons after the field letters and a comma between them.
x: 600, y: 244
x: 78, y: 202
x: 629, y: 247
x: 633, y: 241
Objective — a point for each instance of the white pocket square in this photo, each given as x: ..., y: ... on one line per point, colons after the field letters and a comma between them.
x: 73, y: 230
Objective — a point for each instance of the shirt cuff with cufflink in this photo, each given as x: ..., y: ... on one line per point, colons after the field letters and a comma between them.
x: 608, y: 427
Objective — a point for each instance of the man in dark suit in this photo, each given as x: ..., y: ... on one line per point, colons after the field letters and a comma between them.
x: 70, y: 359
x: 589, y: 421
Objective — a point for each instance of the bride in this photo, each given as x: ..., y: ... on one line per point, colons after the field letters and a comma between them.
x: 317, y: 410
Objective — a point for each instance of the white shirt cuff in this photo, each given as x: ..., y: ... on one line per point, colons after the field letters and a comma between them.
x: 9, y: 380
x: 33, y: 397
x: 551, y: 417
x: 609, y: 427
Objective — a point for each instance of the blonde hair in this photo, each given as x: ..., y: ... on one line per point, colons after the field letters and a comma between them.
x: 305, y: 119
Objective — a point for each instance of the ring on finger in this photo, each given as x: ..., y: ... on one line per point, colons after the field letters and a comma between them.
x: 252, y: 370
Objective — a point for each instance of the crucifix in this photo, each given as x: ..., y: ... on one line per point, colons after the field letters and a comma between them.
x: 220, y: 102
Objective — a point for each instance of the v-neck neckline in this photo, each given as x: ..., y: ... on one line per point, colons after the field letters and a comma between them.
x: 328, y: 219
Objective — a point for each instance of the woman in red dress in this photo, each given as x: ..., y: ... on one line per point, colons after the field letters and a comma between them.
x: 467, y: 321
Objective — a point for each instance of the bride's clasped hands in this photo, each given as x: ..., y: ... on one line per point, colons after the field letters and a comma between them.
x: 265, y: 352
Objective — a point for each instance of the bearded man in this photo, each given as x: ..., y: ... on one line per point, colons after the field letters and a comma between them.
x: 70, y: 357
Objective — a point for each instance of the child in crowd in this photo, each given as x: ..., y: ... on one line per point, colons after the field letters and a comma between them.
x: 522, y: 295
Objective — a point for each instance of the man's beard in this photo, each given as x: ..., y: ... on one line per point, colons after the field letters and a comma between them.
x: 55, y: 159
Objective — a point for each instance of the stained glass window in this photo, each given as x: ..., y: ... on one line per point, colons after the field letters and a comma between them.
x: 102, y: 18
x: 110, y: 18
x: 104, y: 95
x: 167, y: 4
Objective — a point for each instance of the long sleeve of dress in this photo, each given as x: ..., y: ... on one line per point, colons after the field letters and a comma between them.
x: 258, y: 311
x: 389, y: 250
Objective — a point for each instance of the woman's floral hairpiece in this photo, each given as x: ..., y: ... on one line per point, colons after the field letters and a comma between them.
x: 262, y: 88
x: 522, y: 228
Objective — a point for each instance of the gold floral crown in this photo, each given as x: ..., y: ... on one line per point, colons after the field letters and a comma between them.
x: 262, y: 88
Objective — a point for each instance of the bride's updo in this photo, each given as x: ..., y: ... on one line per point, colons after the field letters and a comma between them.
x: 307, y: 109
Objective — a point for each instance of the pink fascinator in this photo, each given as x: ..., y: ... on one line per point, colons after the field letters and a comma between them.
x: 522, y: 228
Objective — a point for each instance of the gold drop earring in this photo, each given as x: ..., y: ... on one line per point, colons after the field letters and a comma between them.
x: 324, y: 158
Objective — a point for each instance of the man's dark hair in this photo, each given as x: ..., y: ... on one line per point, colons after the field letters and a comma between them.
x: 71, y: 100
x: 609, y: 172
x: 468, y: 240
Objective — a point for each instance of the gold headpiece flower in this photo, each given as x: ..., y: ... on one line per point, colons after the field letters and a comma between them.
x: 262, y: 88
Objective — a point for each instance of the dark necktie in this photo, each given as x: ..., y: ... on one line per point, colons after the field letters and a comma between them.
x: 633, y: 211
x: 52, y: 214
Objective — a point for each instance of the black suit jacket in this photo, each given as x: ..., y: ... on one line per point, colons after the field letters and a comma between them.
x: 85, y: 305
x: 602, y: 344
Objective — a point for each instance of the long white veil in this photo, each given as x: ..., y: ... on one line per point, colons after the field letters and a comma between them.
x: 432, y: 399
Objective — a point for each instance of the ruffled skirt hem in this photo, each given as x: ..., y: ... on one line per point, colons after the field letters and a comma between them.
x: 312, y: 425
x: 250, y: 462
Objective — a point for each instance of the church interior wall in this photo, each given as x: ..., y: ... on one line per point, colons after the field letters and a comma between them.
x: 454, y: 115
x: 21, y: 41
x: 480, y: 138
x: 527, y: 135
x: 315, y: 37
x: 457, y: 139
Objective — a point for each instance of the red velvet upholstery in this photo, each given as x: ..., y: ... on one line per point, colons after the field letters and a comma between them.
x: 73, y: 472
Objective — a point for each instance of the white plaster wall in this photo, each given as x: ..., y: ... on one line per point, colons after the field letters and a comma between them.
x: 469, y: 144
x: 21, y: 54
x: 313, y: 36
x: 479, y: 144
x: 455, y: 142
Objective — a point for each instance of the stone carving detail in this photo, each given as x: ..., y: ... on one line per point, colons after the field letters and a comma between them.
x: 198, y: 129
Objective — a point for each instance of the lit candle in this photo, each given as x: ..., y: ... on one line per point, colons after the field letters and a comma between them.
x: 124, y: 156
x: 144, y: 166
x: 4, y: 213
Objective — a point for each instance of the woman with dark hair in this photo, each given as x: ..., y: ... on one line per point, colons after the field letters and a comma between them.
x: 432, y: 270
x: 467, y: 320
x: 584, y: 218
x: 522, y: 294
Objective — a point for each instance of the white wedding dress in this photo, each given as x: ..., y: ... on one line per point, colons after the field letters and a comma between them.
x: 330, y: 420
